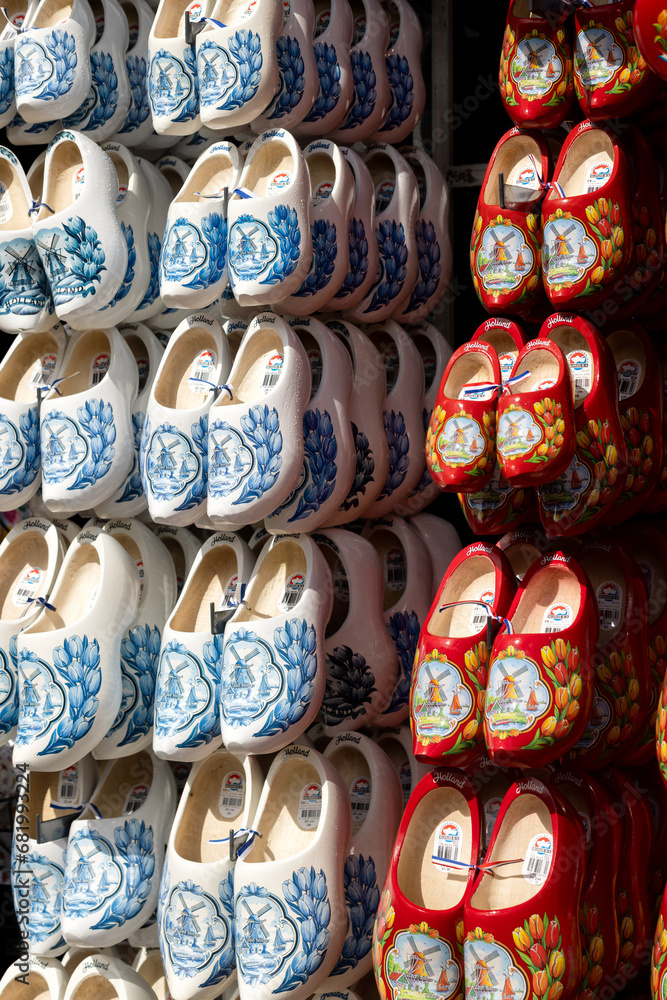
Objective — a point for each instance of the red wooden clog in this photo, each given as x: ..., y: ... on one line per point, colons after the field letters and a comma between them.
x: 449, y: 675
x: 461, y: 435
x: 521, y: 934
x: 506, y: 337
x: 535, y: 429
x: 498, y: 507
x: 522, y: 547
x: 506, y: 235
x: 655, y: 795
x: 657, y: 502
x: 581, y: 497
x: 492, y: 782
x: 641, y: 400
x: 539, y: 693
x: 418, y: 933
x: 587, y: 219
x: 649, y: 21
x: 535, y: 75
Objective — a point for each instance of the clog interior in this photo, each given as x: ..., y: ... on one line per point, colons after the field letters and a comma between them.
x: 427, y: 354
x: 337, y: 327
x: 14, y: 195
x: 173, y: 388
x: 521, y: 556
x: 518, y: 156
x: 383, y: 175
x: 578, y: 800
x: 51, y: 13
x: 65, y: 162
x: 12, y: 8
x: 202, y: 820
x: 272, y: 158
x: 16, y: 378
x: 26, y: 553
x: 393, y: 14
x: 351, y: 764
x: 589, y: 151
x: 551, y: 585
x: 173, y: 178
x: 94, y: 988
x: 152, y: 971
x: 267, y: 585
x: 341, y: 594
x: 35, y: 989
x: 468, y: 368
x: 75, y: 592
x: 77, y: 374
x: 140, y: 354
x: 601, y: 568
x: 626, y: 346
x: 117, y: 783
x: 394, y: 750
x: 250, y: 368
x: 541, y: 366
x: 420, y: 174
x: 282, y: 835
x: 385, y: 344
x: 422, y: 882
x: 469, y: 582
x: 322, y: 170
x: 121, y: 169
x: 206, y: 587
x: 209, y: 178
x: 571, y: 341
x: 385, y: 542
x: 128, y: 543
x: 527, y: 817
x: 36, y: 179
x: 44, y: 791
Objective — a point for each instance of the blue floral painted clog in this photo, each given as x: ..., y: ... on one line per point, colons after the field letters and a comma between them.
x: 363, y: 253
x: 160, y: 196
x: 172, y: 80
x: 137, y: 127
x: 332, y: 41
x: 372, y: 94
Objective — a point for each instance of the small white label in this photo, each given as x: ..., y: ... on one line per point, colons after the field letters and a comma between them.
x: 395, y: 569
x: 232, y: 793
x: 597, y: 176
x: 68, y: 786
x: 405, y: 777
x: 6, y: 207
x: 557, y: 617
x: 99, y: 366
x: 279, y: 181
x: 537, y: 862
x: 447, y: 845
x: 135, y: 798
x: 340, y: 581
x: 491, y: 810
x: 272, y: 372
x: 28, y: 586
x: 360, y: 798
x: 581, y: 370
x: 249, y: 11
x: 359, y: 28
x: 479, y: 612
x: 469, y: 392
x: 292, y: 592
x: 203, y: 369
x: 546, y: 383
x: 315, y: 360
x: 140, y: 567
x: 44, y: 370
x: 310, y: 806
x: 389, y: 356
x: 384, y: 192
x: 322, y: 22
x: 608, y: 596
x: 323, y: 191
x: 133, y: 34
x: 122, y: 191
x: 229, y: 593
x: 91, y: 600
x: 506, y: 366
x: 143, y: 368
x: 78, y: 178
x: 629, y: 374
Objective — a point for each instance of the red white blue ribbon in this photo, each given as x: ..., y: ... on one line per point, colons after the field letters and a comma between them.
x: 473, y: 388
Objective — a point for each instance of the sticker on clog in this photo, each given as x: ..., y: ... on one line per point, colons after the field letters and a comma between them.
x: 27, y: 586
x: 360, y: 799
x: 518, y: 433
x: 292, y: 592
x: 195, y: 10
x: 140, y: 568
x: 18, y: 19
x: 78, y: 178
x: 99, y: 26
x: 523, y: 175
x: 68, y: 786
x: 506, y: 365
x: 323, y: 191
x: 315, y: 360
x: 340, y: 582
x: 447, y: 845
x: 546, y: 383
x: 248, y: 11
x: 133, y: 33
x: 597, y: 176
x: 503, y: 258
x: 122, y: 192
x: 232, y: 792
x: 568, y: 251
x: 597, y: 56
x: 630, y: 373
x: 479, y: 612
x: 581, y: 370
x: 557, y: 617
x: 6, y: 206
x: 389, y: 355
x: 537, y: 861
x: 135, y: 798
x: 536, y: 67
x: 279, y: 181
x: 359, y: 28
x: 272, y: 372
x: 202, y: 372
x: 44, y: 370
x: 310, y: 806
x: 395, y: 569
x: 143, y: 368
x: 229, y: 592
x: 322, y: 22
x: 491, y: 810
x: 608, y: 596
x: 384, y: 192
x: 99, y: 366
x: 405, y: 778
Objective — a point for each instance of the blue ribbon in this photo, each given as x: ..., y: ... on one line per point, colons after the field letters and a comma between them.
x: 489, y: 612
x: 213, y: 387
x: 36, y: 205
x: 41, y: 600
x: 250, y: 835
x: 243, y: 192
x: 207, y: 20
x: 55, y: 383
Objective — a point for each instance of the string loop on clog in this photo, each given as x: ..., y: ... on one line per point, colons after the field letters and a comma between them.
x: 214, y: 386
x: 243, y: 192
x: 474, y: 388
x: 54, y: 385
x: 490, y: 618
x: 36, y: 205
x: 486, y: 867
x: 80, y: 808
x: 235, y: 851
x: 41, y: 600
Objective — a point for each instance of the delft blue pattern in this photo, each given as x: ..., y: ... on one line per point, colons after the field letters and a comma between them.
x: 390, y: 237
x: 129, y: 272
x: 153, y: 290
x: 403, y: 627
x: 291, y: 83
x: 358, y: 267
x: 66, y: 449
x: 24, y: 290
x: 284, y: 222
x: 16, y: 474
x: 365, y: 94
x: 73, y: 259
x: 266, y: 935
x: 362, y: 899
x: 73, y: 681
x: 320, y: 451
x: 196, y: 495
x: 328, y: 71
x: 183, y: 250
x: 139, y: 654
x: 230, y: 459
x: 350, y: 684
x: 251, y: 254
x: 7, y: 93
x: 262, y: 429
x: 171, y: 462
x: 132, y: 486
x: 46, y: 884
x: 325, y: 251
x: 138, y: 112
x: 102, y: 99
x: 54, y: 61
x: 251, y: 678
x: 173, y: 84
x: 402, y: 92
x: 34, y: 129
x: 214, y: 234
x: 188, y: 694
x: 197, y: 932
x: 307, y: 896
x: 363, y: 473
x: 399, y: 446
x: 428, y: 252
x: 9, y: 695
x: 229, y: 78
x: 295, y: 646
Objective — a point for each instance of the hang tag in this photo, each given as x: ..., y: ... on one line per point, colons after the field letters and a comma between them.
x: 143, y: 368
x: 202, y: 371
x: 292, y: 593
x: 447, y: 844
x: 581, y: 370
x: 229, y: 593
x: 99, y: 366
x: 506, y: 366
x: 272, y: 372
x: 28, y: 586
x: 557, y: 617
x: 629, y: 374
x: 279, y: 182
x: 232, y: 793
x: 395, y: 569
x: 310, y: 806
x: 68, y: 786
x: 135, y: 798
x: 360, y: 798
x: 608, y: 596
x: 44, y: 371
x: 537, y: 862
x: 323, y: 191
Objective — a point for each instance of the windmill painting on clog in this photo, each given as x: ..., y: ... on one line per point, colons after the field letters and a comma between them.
x: 173, y: 83
x: 298, y: 82
x: 16, y: 16
x: 332, y: 41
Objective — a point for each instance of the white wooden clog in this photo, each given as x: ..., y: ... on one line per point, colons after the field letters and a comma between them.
x: 173, y: 84
x: 298, y: 81
x: 372, y: 94
x: 160, y: 197
x: 44, y: 978
x: 138, y: 125
x: 183, y: 548
x: 332, y: 41
x: 363, y: 254
x: 404, y: 71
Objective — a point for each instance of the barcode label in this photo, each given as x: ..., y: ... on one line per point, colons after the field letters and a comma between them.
x: 68, y: 786
x: 580, y: 363
x: 292, y: 592
x: 99, y: 366
x: 310, y: 806
x: 447, y: 844
x: 232, y: 793
x: 395, y: 569
x: 557, y: 617
x: 537, y: 862
x: 360, y: 799
x: 272, y: 372
x: 478, y: 620
x: 28, y: 586
x: 135, y: 798
x: 479, y: 613
x: 608, y: 595
x: 203, y: 371
x: 629, y: 373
